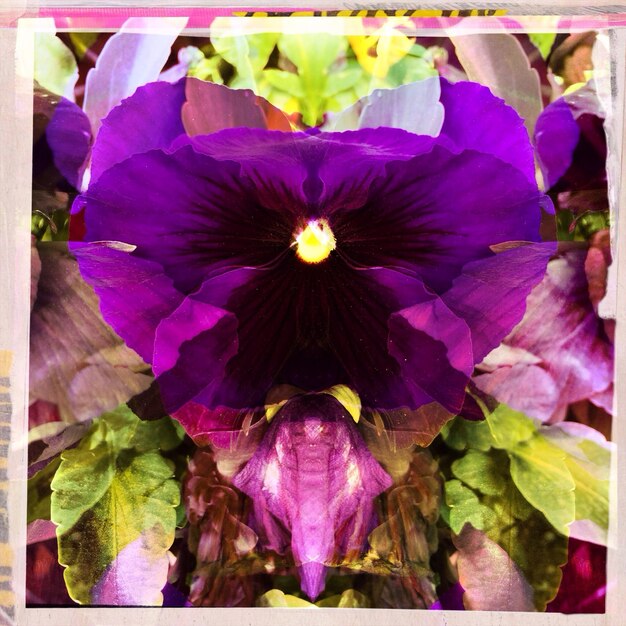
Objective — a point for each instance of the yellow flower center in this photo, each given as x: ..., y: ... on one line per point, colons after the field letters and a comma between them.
x: 315, y: 242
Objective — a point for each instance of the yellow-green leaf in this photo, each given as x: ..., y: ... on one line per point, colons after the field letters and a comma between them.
x: 113, y: 501
x: 540, y: 472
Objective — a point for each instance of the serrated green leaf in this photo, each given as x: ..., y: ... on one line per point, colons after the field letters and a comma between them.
x: 55, y: 65
x: 461, y: 434
x: 540, y: 472
x: 589, y: 463
x: 284, y: 81
x: 114, y: 489
x: 465, y: 507
x: 313, y: 57
x: 342, y: 81
x: 248, y: 54
x: 482, y: 472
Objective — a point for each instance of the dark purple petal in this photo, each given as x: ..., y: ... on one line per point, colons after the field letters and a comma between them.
x: 438, y: 211
x: 434, y: 349
x: 490, y: 294
x: 217, y: 222
x: 572, y: 150
x: 69, y: 137
x: 475, y: 119
x: 116, y: 274
x: 320, y: 173
x: 149, y: 119
x: 556, y: 137
x: 314, y: 474
x: 450, y: 600
x: 559, y: 353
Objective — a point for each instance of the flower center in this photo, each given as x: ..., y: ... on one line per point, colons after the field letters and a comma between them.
x: 315, y: 242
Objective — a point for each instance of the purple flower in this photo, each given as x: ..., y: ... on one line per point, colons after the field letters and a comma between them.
x: 560, y: 353
x: 236, y: 259
x: 312, y: 481
x: 572, y: 151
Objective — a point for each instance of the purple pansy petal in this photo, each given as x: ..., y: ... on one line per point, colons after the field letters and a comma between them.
x: 321, y: 173
x: 574, y: 358
x: 159, y: 113
x: 267, y: 333
x: 450, y: 600
x: 69, y: 136
x: 116, y: 275
x: 229, y: 108
x: 571, y: 147
x: 144, y: 54
x: 556, y: 137
x: 149, y: 119
x: 407, y: 216
x: 437, y: 211
x: 434, y: 349
x: 490, y: 294
x: 314, y: 474
x: 217, y: 221
x: 475, y: 119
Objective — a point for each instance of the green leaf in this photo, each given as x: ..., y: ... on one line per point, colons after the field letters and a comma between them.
x: 344, y: 80
x: 284, y: 81
x: 114, y: 489
x: 482, y: 472
x: 543, y: 42
x: 248, y: 54
x: 540, y: 472
x: 509, y: 427
x: 465, y: 507
x: 313, y: 57
x: 82, y: 42
x: 589, y: 464
x: 461, y: 434
x: 512, y: 522
x: 55, y: 65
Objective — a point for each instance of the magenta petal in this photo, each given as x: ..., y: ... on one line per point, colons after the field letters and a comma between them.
x: 314, y: 474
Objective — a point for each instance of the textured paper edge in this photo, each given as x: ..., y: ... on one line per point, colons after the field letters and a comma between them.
x: 15, y: 177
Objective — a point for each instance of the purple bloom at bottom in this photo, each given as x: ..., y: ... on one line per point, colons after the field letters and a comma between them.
x: 312, y: 481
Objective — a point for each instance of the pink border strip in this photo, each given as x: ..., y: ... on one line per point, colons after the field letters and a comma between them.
x: 201, y: 17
